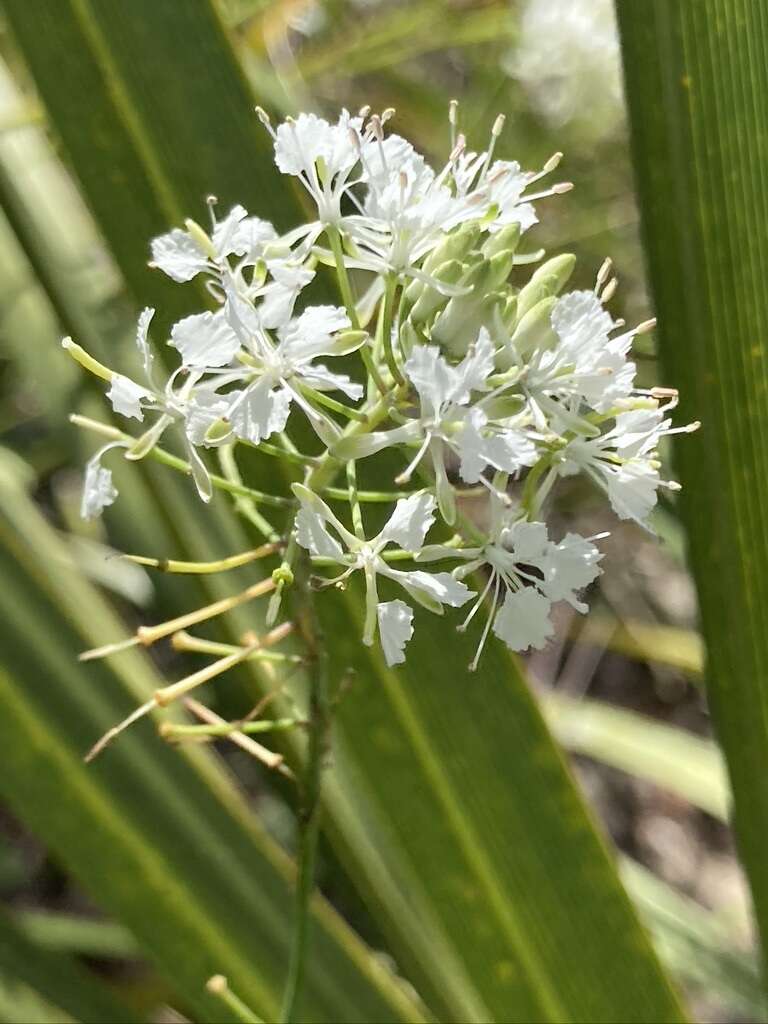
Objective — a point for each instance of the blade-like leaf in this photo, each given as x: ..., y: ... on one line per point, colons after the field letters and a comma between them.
x: 67, y: 988
x: 669, y: 756
x: 158, y: 836
x: 697, y: 87
x: 449, y: 803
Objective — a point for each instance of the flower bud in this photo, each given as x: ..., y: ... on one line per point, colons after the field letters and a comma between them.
x: 549, y: 279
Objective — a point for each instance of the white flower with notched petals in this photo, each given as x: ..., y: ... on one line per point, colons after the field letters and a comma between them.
x: 183, y: 254
x: 277, y: 374
x: 451, y: 419
x: 326, y: 160
x: 527, y: 573
x: 407, y: 527
x: 185, y: 390
x: 580, y: 362
x: 623, y: 461
x: 98, y: 489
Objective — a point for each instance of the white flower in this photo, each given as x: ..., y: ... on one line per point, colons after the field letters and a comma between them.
x: 98, y: 489
x: 323, y: 157
x: 450, y: 420
x: 278, y: 374
x: 580, y: 362
x: 182, y: 255
x: 623, y: 461
x: 173, y: 403
x: 407, y: 527
x: 522, y: 560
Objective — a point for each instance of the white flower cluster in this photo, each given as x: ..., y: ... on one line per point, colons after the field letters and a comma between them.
x: 472, y: 378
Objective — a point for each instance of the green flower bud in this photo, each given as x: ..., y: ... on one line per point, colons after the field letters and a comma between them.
x: 549, y: 279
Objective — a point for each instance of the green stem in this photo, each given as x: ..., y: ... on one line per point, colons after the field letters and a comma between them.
x: 172, y: 730
x: 309, y: 811
x: 345, y: 287
x: 388, y: 309
x: 354, y: 501
x: 160, y: 455
x: 330, y: 403
x: 244, y: 504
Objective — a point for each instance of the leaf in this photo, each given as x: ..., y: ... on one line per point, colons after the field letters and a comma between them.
x: 666, y: 755
x: 449, y: 804
x: 158, y: 836
x: 70, y: 991
x: 697, y: 82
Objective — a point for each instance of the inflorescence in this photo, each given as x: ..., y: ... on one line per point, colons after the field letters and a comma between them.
x: 471, y: 380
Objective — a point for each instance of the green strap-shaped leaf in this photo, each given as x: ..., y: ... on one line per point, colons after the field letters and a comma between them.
x: 157, y: 835
x: 57, y: 979
x: 697, y: 87
x: 449, y: 803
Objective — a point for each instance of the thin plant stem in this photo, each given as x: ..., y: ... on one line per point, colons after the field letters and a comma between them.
x: 309, y: 809
x: 388, y: 308
x: 345, y: 287
x: 161, y: 455
x: 354, y: 501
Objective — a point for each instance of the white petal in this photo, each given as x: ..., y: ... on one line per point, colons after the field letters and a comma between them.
x: 320, y: 378
x: 225, y: 230
x: 251, y: 237
x: 632, y: 490
x: 98, y: 489
x: 395, y: 629
x: 142, y: 342
x: 523, y: 620
x: 439, y: 587
x: 570, y: 566
x: 202, y: 411
x: 126, y: 396
x: 312, y: 534
x: 582, y: 323
x: 432, y: 377
x: 311, y: 334
x: 177, y: 255
x: 475, y: 367
x: 410, y: 522
x: 205, y: 339
x: 527, y: 542
x: 259, y: 411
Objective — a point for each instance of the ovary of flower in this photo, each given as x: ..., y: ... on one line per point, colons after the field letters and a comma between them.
x: 278, y: 374
x: 407, y: 527
x: 527, y: 573
x: 452, y: 419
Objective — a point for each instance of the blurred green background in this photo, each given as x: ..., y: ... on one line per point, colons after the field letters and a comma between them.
x: 620, y: 688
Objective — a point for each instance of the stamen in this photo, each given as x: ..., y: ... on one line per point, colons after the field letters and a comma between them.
x: 646, y: 326
x: 263, y: 754
x: 453, y: 116
x: 610, y: 290
x: 474, y: 663
x: 405, y: 476
x: 603, y: 273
